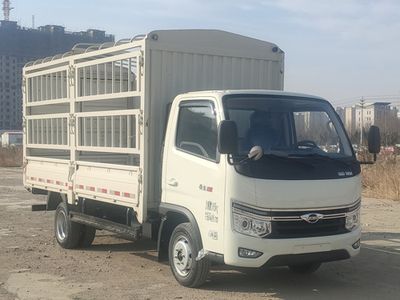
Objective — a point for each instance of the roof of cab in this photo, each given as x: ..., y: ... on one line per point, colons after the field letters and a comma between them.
x: 222, y: 93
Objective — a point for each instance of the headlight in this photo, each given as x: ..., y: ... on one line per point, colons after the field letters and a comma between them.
x: 353, y: 219
x: 249, y: 224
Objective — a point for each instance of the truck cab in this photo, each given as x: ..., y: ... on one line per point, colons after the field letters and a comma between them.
x: 267, y: 178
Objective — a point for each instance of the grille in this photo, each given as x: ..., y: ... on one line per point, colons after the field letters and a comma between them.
x: 289, y: 224
x: 301, y: 228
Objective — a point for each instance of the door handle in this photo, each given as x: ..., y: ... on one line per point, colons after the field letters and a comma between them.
x: 172, y: 182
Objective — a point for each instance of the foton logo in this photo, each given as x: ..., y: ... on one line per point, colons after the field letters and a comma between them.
x: 312, y: 217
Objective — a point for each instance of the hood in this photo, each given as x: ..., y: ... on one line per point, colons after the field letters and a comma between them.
x: 294, y: 194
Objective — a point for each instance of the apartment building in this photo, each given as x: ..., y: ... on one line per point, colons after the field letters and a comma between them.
x: 380, y: 114
x: 19, y: 45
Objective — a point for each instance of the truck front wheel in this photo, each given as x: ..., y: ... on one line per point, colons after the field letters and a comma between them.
x: 67, y: 233
x: 184, y: 246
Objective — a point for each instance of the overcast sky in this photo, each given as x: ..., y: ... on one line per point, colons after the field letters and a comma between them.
x: 340, y: 50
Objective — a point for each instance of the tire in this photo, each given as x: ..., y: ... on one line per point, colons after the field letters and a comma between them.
x: 305, y: 268
x: 67, y: 233
x: 184, y: 246
x: 87, y: 236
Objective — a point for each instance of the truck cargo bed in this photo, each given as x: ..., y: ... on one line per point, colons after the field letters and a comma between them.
x: 94, y: 118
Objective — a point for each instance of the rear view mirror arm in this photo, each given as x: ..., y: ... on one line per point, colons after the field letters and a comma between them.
x: 368, y: 162
x: 233, y: 163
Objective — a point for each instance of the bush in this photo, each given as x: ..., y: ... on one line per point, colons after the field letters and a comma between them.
x: 382, y: 180
x: 11, y: 157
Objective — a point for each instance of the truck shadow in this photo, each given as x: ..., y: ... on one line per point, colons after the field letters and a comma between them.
x: 113, y: 242
x: 145, y: 248
x: 369, y: 276
x: 381, y: 241
x: 372, y: 274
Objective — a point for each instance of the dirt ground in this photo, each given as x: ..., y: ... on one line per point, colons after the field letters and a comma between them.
x: 33, y: 266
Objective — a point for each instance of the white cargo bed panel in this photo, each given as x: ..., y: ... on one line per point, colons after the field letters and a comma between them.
x: 48, y: 174
x: 110, y: 184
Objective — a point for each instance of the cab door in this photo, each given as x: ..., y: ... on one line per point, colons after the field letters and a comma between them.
x: 194, y: 175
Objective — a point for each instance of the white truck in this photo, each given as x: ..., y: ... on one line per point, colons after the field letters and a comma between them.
x: 239, y: 172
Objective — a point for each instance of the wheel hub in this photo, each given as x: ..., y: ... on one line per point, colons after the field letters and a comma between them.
x: 182, y: 256
x: 61, y: 229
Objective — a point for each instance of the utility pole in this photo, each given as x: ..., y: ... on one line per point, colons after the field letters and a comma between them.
x: 386, y: 127
x: 362, y: 102
x: 6, y: 10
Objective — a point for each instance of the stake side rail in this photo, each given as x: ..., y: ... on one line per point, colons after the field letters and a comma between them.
x: 82, y: 124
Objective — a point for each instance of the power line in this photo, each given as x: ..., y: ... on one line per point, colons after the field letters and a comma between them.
x: 394, y: 101
x: 351, y: 100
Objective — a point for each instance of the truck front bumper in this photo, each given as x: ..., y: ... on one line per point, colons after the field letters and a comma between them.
x: 290, y: 251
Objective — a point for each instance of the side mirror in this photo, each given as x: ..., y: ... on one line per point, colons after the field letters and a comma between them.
x: 227, y: 137
x: 374, y: 140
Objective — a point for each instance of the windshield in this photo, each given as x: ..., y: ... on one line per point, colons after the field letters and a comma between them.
x: 302, y: 138
x: 287, y: 126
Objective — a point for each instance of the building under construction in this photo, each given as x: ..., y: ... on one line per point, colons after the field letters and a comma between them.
x: 18, y: 45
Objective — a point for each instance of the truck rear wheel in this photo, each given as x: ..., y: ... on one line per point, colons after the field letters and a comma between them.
x: 184, y: 247
x: 87, y: 236
x: 67, y: 232
x: 305, y: 268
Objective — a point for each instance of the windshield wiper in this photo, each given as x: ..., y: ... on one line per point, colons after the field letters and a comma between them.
x: 320, y: 157
x: 286, y: 157
x: 242, y: 159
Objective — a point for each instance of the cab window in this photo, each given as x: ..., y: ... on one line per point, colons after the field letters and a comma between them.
x: 197, y: 129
